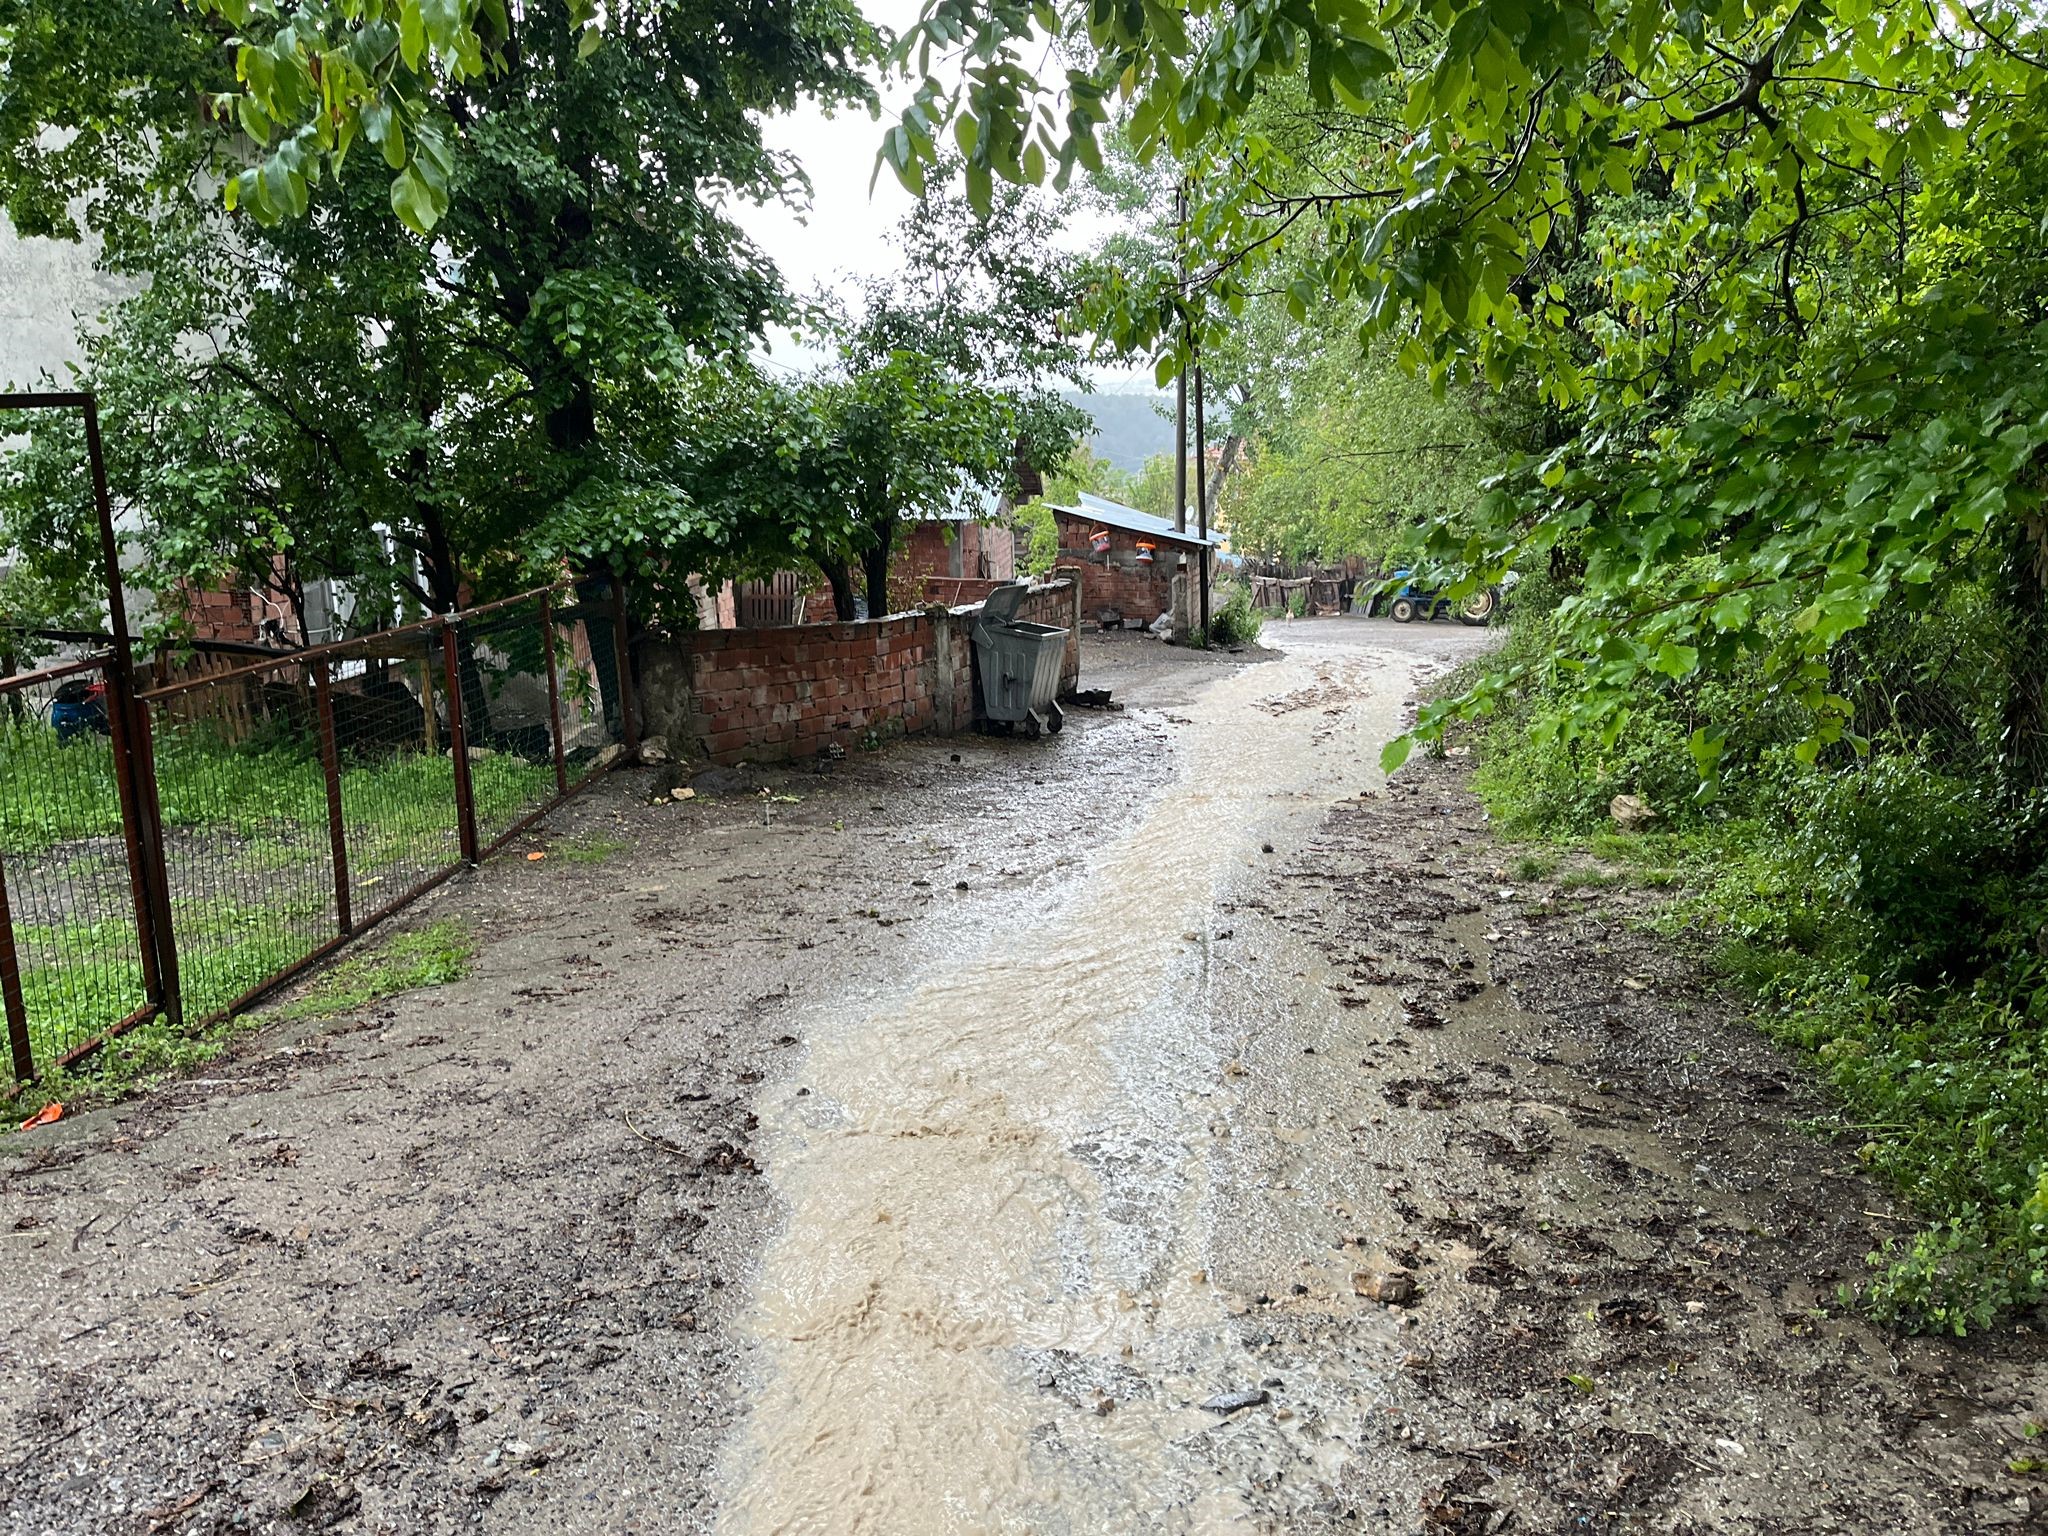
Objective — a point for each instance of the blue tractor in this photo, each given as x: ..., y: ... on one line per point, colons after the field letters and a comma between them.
x: 1412, y: 601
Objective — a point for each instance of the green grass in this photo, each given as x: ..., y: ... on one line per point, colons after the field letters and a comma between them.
x: 1591, y: 879
x: 51, y: 794
x: 431, y: 956
x: 594, y: 849
x: 247, y: 854
x: 405, y: 961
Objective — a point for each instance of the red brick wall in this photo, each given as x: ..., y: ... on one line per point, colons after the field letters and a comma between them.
x: 776, y: 693
x: 1118, y: 580
x: 220, y: 615
x: 770, y: 694
x: 974, y: 551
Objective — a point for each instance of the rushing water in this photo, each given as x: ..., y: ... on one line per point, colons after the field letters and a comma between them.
x: 998, y: 1186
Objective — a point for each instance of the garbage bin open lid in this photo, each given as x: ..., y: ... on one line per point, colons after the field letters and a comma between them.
x: 1003, y: 602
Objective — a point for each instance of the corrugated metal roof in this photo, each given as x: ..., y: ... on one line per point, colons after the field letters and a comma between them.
x: 1131, y: 520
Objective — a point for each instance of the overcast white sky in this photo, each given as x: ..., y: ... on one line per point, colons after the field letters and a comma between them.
x: 846, y: 231
x: 845, y: 235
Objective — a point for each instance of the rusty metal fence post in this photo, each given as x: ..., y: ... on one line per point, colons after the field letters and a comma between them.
x: 458, y: 745
x: 547, y: 643
x: 10, y: 992
x: 629, y: 725
x: 145, y: 847
x: 160, y: 941
x: 330, y: 767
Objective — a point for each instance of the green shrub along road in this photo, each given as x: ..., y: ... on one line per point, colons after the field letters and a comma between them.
x: 1887, y: 913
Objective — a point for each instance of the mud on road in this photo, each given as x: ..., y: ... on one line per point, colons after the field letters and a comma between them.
x: 1163, y: 1128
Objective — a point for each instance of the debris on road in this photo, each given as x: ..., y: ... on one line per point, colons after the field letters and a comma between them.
x: 1232, y: 1402
x: 1630, y: 812
x: 1395, y: 1288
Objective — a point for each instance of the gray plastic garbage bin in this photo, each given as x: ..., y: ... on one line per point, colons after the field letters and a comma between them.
x: 1017, y: 665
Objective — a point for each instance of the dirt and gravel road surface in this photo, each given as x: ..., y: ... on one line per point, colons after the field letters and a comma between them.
x: 1166, y: 1127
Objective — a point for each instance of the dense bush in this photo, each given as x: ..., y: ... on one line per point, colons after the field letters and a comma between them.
x: 1237, y: 622
x: 1886, y: 911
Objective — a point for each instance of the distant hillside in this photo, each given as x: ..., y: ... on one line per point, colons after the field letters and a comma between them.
x: 1129, y: 429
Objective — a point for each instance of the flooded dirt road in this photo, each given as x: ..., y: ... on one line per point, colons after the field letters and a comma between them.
x: 1163, y: 1128
x: 990, y: 1306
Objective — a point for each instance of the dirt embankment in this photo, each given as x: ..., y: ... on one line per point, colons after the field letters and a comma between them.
x: 1623, y: 1250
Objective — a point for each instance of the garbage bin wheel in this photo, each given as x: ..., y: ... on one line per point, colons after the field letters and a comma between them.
x: 1055, y: 718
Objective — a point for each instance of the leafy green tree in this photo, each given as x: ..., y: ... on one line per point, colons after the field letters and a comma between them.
x: 508, y: 396
x: 1355, y: 460
x: 1709, y: 235
x: 899, y: 438
x: 950, y: 376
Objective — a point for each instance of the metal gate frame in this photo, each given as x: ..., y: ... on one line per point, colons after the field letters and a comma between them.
x: 130, y: 732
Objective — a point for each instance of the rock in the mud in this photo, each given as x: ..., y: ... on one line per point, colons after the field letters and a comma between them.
x: 326, y: 1501
x: 1630, y: 812
x: 1230, y: 1402
x: 720, y: 782
x: 654, y: 749
x: 1395, y: 1288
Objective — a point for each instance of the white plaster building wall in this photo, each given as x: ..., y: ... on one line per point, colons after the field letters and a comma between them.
x: 48, y: 289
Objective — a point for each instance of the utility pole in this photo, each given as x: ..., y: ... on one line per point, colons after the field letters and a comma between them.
x: 1180, y: 377
x: 1202, y: 493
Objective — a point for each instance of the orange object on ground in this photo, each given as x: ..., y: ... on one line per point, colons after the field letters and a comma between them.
x: 49, y: 1114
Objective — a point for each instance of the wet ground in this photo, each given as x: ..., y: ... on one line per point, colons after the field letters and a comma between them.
x: 1161, y: 1128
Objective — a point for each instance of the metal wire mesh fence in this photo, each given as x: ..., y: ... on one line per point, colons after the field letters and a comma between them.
x: 73, y: 963
x: 265, y: 812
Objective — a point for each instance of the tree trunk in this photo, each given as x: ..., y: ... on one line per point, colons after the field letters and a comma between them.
x: 444, y: 576
x: 17, y: 707
x: 1226, y: 461
x: 874, y: 564
x: 840, y: 579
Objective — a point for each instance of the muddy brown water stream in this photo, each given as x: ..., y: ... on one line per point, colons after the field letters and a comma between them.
x: 1010, y: 1161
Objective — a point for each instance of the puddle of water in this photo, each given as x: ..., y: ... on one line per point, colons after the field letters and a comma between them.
x: 998, y: 1187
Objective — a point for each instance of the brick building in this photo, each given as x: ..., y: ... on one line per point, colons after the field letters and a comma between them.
x: 1128, y: 559
x: 939, y: 555
x: 955, y: 559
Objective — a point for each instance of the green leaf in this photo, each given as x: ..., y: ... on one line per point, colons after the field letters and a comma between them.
x: 412, y: 34
x: 1676, y: 660
x: 415, y: 202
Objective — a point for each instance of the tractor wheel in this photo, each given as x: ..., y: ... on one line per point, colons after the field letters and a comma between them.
x: 1403, y: 610
x: 1479, y: 607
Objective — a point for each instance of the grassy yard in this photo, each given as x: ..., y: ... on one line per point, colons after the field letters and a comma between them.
x: 247, y: 856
